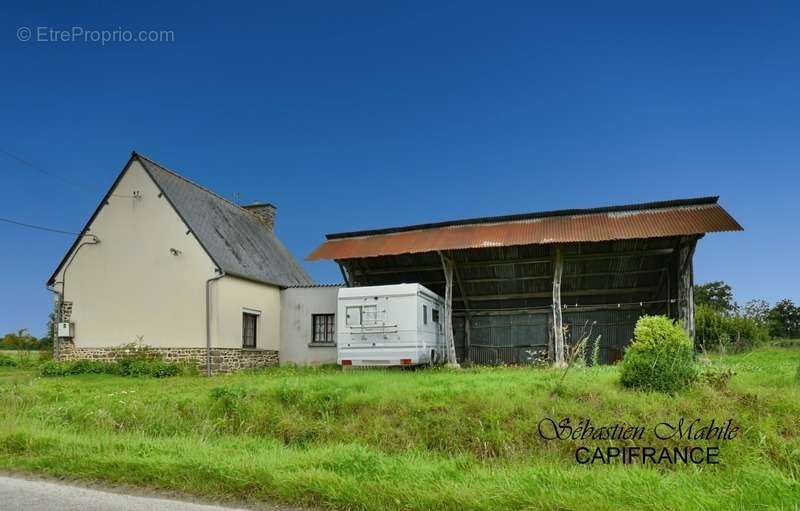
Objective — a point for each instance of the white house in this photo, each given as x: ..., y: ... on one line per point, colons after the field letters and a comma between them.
x: 169, y: 264
x: 308, y: 324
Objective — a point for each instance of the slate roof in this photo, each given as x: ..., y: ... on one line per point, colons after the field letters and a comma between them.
x: 234, y: 238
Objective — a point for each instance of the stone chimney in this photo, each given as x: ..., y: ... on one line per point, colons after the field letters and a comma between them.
x: 265, y: 213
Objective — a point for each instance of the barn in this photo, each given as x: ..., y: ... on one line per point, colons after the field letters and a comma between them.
x: 522, y: 287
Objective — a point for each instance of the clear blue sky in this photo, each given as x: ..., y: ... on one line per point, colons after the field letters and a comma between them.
x: 361, y: 115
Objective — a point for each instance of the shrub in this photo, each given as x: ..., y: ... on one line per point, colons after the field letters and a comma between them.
x: 7, y: 361
x: 53, y: 368
x: 716, y: 377
x: 660, y: 357
x: 160, y: 369
x: 716, y: 330
x: 124, y: 367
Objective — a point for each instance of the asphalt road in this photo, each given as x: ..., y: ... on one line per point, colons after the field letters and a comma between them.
x: 38, y: 495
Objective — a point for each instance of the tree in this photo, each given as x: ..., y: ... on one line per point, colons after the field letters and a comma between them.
x: 757, y: 310
x: 784, y: 320
x: 717, y: 294
x: 20, y: 340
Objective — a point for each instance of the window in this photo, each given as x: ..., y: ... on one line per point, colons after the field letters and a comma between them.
x: 424, y: 314
x: 249, y: 329
x: 435, y: 315
x: 323, y: 328
x: 369, y: 315
x: 353, y: 316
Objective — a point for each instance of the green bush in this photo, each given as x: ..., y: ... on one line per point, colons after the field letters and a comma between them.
x: 123, y: 367
x: 53, y: 368
x: 716, y: 377
x: 660, y: 358
x: 717, y: 330
x: 7, y: 362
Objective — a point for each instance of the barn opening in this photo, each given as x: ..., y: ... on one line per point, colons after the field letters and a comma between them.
x: 521, y: 287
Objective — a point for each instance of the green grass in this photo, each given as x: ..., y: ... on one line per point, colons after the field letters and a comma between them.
x: 432, y: 439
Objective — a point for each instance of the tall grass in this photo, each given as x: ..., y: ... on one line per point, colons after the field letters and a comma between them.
x: 433, y: 439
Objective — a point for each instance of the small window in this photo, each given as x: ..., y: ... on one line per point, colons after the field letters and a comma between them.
x: 435, y: 315
x: 369, y: 315
x: 353, y: 316
x: 323, y: 328
x: 424, y: 314
x: 249, y: 329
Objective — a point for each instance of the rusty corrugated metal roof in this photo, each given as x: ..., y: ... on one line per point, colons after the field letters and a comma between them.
x: 651, y: 220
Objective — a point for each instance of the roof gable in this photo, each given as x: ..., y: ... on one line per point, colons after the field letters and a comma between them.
x: 233, y: 238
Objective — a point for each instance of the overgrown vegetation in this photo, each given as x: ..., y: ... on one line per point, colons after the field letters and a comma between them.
x: 418, y: 440
x: 133, y: 359
x: 126, y: 367
x: 724, y: 325
x: 660, y: 357
x: 22, y: 340
x: 716, y: 330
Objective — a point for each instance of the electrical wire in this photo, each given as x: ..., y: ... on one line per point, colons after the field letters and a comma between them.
x: 42, y: 170
x: 38, y: 227
x: 84, y: 187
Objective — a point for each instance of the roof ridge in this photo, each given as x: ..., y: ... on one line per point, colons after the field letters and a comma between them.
x: 193, y: 183
x: 694, y: 201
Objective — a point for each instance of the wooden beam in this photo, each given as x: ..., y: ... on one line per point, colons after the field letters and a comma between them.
x: 344, y: 274
x: 467, y: 316
x: 538, y: 260
x: 686, y: 286
x: 546, y: 294
x: 558, y: 323
x: 549, y: 277
x: 447, y: 267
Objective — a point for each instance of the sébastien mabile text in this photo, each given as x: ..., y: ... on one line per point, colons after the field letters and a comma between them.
x: 689, y: 432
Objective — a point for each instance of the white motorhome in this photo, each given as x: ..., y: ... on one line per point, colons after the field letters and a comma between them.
x: 400, y: 324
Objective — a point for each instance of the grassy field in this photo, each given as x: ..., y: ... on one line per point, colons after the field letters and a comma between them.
x: 429, y: 439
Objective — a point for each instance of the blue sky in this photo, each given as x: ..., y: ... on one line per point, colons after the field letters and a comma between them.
x: 362, y: 115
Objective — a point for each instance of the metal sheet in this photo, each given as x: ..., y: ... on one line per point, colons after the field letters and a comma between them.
x: 621, y: 224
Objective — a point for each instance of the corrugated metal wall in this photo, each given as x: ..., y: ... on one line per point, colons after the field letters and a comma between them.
x: 522, y: 337
x: 504, y: 339
x: 615, y: 328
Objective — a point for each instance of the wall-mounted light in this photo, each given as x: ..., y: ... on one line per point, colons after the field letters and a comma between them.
x: 175, y: 251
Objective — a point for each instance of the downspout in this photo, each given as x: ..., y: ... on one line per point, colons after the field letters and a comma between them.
x: 57, y: 318
x: 60, y: 294
x: 208, y: 319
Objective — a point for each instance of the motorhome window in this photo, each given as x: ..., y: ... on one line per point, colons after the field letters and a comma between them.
x: 323, y: 328
x: 435, y: 315
x: 369, y: 315
x: 424, y: 314
x: 353, y: 316
x: 249, y: 330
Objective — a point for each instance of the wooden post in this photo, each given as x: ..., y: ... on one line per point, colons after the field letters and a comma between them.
x: 447, y: 267
x: 686, y: 286
x: 344, y: 274
x: 467, y: 312
x: 558, y: 323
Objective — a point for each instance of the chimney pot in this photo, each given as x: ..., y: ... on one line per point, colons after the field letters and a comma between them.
x: 265, y: 213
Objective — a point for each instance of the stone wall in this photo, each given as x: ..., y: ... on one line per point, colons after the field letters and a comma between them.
x: 223, y: 360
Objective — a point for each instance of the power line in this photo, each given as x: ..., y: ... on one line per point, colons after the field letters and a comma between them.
x: 42, y: 170
x: 38, y: 227
x: 79, y: 185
